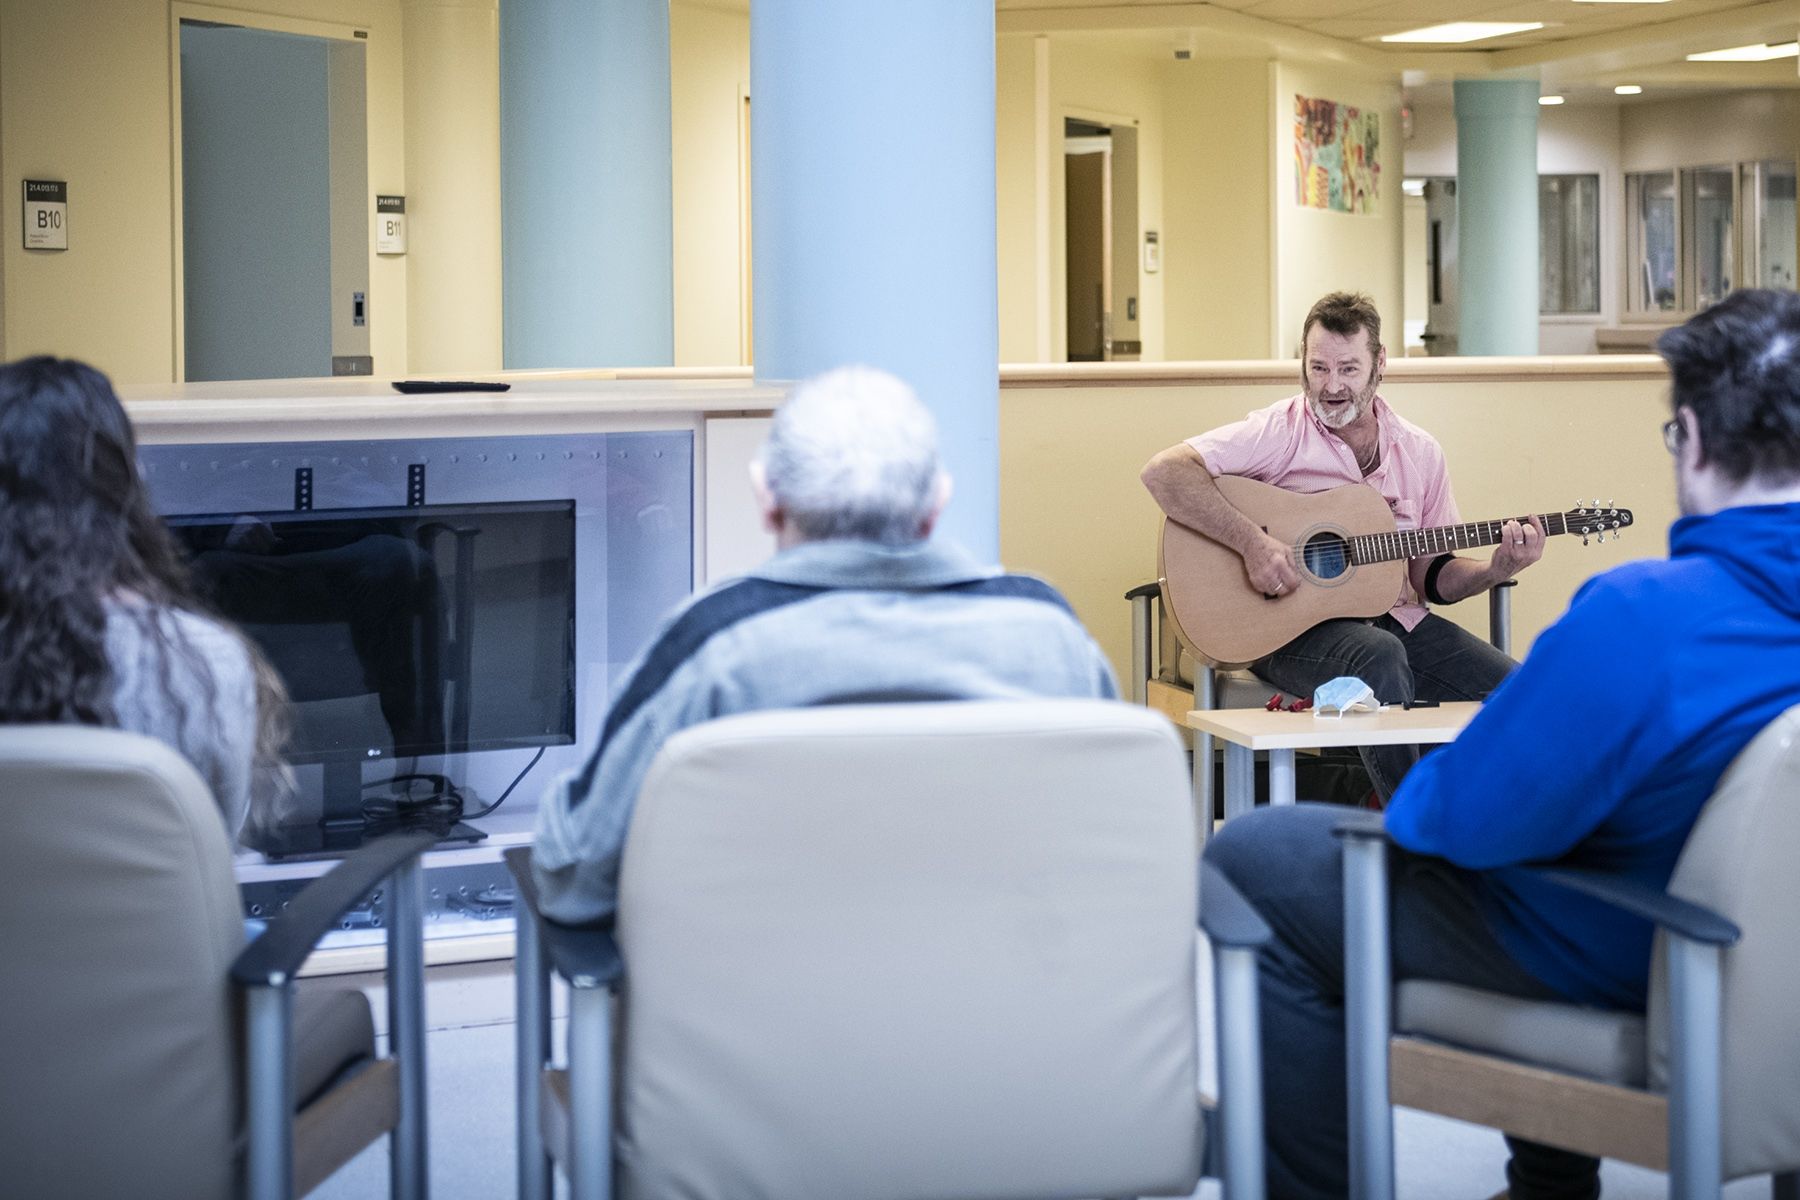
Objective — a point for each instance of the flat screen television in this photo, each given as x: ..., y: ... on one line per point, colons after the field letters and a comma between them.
x: 427, y: 631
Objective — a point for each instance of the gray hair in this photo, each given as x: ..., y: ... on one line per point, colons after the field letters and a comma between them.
x: 853, y: 454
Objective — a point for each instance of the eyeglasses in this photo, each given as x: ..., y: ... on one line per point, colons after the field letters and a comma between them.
x: 1673, y: 434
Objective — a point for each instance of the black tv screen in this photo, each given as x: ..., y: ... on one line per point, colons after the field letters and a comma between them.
x: 427, y: 630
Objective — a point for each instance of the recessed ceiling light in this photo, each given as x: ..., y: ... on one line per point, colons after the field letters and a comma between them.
x: 1758, y: 53
x: 1625, y: 89
x: 1457, y: 32
x: 1549, y: 100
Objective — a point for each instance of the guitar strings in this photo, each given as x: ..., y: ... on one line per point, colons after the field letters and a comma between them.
x: 1333, y: 558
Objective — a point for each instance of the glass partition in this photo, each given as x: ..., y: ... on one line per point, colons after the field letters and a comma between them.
x: 1568, y: 243
x: 1652, y: 239
x: 1769, y: 189
x: 1709, y: 199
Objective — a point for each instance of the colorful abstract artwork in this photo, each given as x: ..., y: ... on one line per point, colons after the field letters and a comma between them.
x: 1337, y: 156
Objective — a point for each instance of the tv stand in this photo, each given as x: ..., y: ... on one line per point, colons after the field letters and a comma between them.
x: 344, y: 827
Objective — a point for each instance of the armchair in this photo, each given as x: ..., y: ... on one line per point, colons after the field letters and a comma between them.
x: 872, y: 951
x: 1705, y: 1084
x: 148, y: 1052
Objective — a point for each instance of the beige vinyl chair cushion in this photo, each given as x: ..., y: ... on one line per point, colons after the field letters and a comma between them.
x: 1740, y: 862
x: 1590, y: 1042
x: 1238, y: 688
x: 120, y: 1062
x: 120, y: 923
x: 929, y: 950
x: 333, y: 1032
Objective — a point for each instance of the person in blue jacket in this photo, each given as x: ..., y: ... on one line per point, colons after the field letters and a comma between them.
x: 1598, y: 752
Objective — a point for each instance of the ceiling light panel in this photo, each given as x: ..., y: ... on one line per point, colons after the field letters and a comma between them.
x: 1758, y: 53
x: 1456, y: 33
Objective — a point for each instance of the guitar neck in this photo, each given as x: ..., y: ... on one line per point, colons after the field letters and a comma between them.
x: 1441, y: 539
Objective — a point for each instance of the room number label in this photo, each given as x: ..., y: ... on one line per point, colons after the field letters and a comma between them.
x: 46, y: 214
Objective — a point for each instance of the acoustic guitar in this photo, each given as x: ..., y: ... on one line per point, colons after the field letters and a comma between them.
x: 1350, y: 557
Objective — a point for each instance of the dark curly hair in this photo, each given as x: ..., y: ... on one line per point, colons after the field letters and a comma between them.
x: 77, y: 530
x: 1737, y: 367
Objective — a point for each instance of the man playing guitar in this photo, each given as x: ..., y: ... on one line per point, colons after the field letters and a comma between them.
x: 1338, y: 431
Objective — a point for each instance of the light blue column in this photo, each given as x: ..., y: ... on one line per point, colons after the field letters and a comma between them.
x: 585, y: 193
x: 1497, y: 215
x: 873, y: 203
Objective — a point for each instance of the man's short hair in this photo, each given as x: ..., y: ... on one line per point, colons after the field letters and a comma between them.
x: 1737, y: 366
x: 1343, y: 313
x: 853, y: 454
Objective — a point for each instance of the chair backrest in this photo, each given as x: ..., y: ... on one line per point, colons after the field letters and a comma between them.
x: 117, y: 1029
x: 1740, y: 861
x: 927, y: 950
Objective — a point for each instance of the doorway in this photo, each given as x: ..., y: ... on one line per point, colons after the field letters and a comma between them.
x: 1100, y: 232
x: 273, y: 151
x: 1441, y: 308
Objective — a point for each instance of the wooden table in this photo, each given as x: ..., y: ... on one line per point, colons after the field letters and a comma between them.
x: 1247, y: 730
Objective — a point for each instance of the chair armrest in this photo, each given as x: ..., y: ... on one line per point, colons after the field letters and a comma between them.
x: 585, y: 955
x: 275, y: 957
x: 1681, y: 917
x: 1225, y: 916
x: 1151, y: 589
x: 1360, y: 823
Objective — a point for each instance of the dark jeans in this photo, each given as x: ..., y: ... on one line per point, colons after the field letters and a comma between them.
x: 1438, y: 660
x: 1290, y: 867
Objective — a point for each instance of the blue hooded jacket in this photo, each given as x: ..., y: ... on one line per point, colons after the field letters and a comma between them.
x: 1600, y: 750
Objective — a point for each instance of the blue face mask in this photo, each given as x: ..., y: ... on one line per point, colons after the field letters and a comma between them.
x: 1344, y: 694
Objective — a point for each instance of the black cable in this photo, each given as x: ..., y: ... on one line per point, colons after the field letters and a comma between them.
x: 509, y: 788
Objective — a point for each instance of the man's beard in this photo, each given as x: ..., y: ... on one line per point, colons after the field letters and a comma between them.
x: 1347, y: 414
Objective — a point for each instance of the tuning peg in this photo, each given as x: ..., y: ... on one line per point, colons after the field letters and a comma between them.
x: 1584, y: 539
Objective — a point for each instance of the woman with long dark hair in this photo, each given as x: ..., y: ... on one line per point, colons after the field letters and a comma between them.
x: 98, y: 622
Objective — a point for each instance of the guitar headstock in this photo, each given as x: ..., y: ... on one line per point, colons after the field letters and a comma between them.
x: 1596, y: 520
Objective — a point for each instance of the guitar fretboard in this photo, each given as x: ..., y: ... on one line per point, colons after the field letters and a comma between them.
x: 1441, y: 539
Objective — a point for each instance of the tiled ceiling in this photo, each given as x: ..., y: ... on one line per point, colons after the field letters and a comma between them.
x: 1363, y: 21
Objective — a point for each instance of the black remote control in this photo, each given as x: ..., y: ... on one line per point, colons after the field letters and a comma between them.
x: 414, y: 387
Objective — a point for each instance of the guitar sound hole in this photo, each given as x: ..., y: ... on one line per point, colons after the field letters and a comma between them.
x: 1325, y: 555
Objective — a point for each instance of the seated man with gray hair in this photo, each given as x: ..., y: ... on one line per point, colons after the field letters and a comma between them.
x: 858, y: 603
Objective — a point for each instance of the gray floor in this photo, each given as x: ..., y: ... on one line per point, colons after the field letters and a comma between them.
x: 470, y: 1053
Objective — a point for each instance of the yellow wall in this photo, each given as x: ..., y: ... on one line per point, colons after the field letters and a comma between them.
x: 1217, y: 257
x: 1100, y: 82
x: 709, y: 74
x: 1320, y: 251
x: 85, y: 97
x: 452, y: 152
x: 1022, y: 273
x: 1073, y: 511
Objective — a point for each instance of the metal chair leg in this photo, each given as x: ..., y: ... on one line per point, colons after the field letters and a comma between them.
x: 1694, y: 1070
x: 1367, y: 999
x: 590, y: 1093
x: 1500, y: 616
x: 407, y: 1161
x: 1141, y: 649
x: 1242, y: 1174
x: 532, y: 1051
x: 269, y: 1089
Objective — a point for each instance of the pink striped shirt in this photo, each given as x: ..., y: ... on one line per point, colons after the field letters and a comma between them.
x: 1284, y: 444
